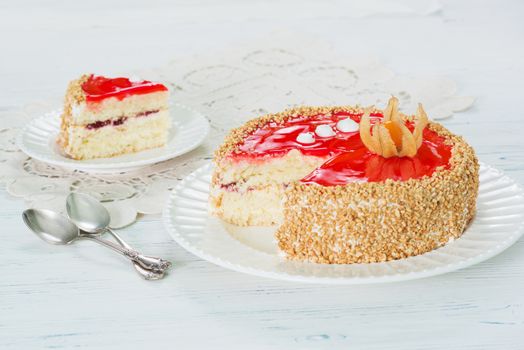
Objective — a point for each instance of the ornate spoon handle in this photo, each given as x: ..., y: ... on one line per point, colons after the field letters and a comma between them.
x: 159, y: 262
x: 149, y: 275
x: 144, y: 261
x: 146, y: 274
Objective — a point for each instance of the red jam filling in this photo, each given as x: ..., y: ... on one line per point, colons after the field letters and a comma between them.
x: 98, y: 88
x: 349, y: 160
x: 115, y: 122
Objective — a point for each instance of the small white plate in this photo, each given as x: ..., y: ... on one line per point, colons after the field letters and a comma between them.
x: 188, y: 131
x: 498, y: 224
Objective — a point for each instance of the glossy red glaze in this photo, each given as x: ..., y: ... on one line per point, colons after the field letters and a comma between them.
x: 278, y: 139
x: 349, y: 160
x: 98, y: 88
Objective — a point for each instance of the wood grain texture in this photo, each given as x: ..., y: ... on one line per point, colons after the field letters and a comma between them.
x: 86, y: 297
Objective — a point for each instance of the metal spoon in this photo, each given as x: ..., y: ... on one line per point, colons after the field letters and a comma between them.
x: 55, y: 228
x: 76, y: 206
x: 92, y: 217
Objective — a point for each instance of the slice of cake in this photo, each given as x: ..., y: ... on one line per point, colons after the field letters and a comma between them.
x: 347, y: 185
x: 106, y: 117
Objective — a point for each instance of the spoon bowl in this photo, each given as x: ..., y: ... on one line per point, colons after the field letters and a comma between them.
x: 51, y: 226
x: 93, y: 218
x: 87, y: 213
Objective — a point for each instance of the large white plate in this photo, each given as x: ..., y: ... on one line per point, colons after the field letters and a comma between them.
x: 38, y: 140
x: 498, y: 224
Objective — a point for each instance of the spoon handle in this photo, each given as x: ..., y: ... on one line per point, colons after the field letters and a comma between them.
x: 118, y: 239
x: 144, y: 261
x: 161, y: 263
x: 147, y: 274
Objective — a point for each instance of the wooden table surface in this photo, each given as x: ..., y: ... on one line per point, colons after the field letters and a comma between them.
x: 84, y: 297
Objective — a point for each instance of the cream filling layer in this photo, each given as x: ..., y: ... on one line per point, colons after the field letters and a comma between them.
x: 114, y: 109
x: 255, y: 207
x: 134, y: 135
x: 252, y: 173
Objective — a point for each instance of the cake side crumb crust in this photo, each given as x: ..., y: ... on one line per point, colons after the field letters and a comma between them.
x: 74, y: 96
x: 374, y: 222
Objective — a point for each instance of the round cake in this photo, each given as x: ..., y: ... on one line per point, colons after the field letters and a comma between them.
x: 347, y: 184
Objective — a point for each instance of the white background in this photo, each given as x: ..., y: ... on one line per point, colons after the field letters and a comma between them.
x: 86, y: 297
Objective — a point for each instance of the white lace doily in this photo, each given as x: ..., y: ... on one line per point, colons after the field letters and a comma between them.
x: 229, y: 88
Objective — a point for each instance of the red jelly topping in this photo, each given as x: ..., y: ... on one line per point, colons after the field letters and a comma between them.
x: 349, y: 160
x: 98, y: 88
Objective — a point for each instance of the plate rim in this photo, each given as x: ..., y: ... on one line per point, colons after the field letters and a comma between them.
x: 84, y: 165
x: 397, y: 277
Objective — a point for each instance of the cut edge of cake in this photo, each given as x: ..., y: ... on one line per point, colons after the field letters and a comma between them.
x: 225, y: 203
